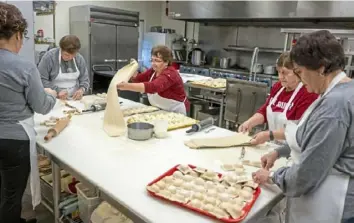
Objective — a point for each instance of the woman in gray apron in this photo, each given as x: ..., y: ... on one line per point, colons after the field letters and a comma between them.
x: 64, y: 69
x: 21, y: 94
x: 319, y: 183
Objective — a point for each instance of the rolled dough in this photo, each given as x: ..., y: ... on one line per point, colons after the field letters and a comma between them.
x: 220, y: 142
x: 113, y: 123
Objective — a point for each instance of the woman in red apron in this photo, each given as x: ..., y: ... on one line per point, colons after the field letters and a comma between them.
x: 288, y: 100
x: 162, y: 83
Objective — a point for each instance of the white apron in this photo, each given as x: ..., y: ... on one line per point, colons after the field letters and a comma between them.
x: 278, y: 120
x: 326, y: 203
x: 68, y: 81
x: 165, y: 103
x: 28, y: 125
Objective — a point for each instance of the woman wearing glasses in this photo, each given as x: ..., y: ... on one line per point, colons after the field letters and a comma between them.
x: 288, y: 100
x: 162, y: 83
x: 319, y: 185
x: 21, y: 95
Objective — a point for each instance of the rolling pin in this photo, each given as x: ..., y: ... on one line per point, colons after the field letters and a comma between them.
x: 59, y: 126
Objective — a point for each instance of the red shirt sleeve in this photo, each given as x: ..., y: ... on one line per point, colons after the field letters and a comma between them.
x: 143, y: 77
x: 306, y: 100
x: 161, y: 83
x: 263, y: 109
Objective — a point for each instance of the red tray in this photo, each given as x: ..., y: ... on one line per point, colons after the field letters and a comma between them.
x: 246, y: 208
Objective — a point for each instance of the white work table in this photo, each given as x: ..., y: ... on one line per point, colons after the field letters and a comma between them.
x: 121, y: 168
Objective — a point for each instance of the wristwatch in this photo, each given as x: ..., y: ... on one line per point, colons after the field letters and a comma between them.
x: 271, y: 135
x: 270, y: 177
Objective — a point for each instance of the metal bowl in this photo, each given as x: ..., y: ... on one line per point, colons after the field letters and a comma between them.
x: 140, y: 131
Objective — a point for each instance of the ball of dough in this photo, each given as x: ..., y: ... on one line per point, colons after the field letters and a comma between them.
x: 246, y: 195
x: 239, y: 171
x: 200, y: 189
x: 232, y: 191
x: 212, y: 193
x: 208, y: 207
x: 178, y: 182
x: 219, y: 213
x: 224, y: 197
x: 185, y: 193
x: 154, y: 188
x: 224, y: 205
x: 161, y: 185
x: 193, y: 174
x: 187, y: 186
x: 188, y: 178
x: 198, y: 196
x: 196, y: 203
x: 209, y: 185
x: 165, y: 194
x: 210, y: 200
x: 220, y: 188
x: 172, y: 189
x: 199, y: 181
x: 178, y: 175
x: 168, y: 179
x: 248, y: 189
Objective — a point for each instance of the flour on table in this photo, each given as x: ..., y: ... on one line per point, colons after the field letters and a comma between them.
x: 113, y: 123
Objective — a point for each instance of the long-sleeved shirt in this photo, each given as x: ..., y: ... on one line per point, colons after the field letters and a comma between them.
x: 21, y: 94
x: 301, y: 102
x: 49, y: 69
x: 168, y: 84
x: 326, y: 140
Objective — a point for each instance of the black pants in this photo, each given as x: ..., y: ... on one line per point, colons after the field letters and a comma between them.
x: 14, y: 172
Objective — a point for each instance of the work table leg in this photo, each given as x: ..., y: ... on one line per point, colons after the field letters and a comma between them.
x: 56, y: 191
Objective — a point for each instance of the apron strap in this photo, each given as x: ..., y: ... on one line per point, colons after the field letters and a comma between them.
x: 299, y: 86
x: 272, y: 102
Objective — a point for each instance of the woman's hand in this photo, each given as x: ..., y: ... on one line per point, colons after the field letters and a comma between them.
x: 245, y: 127
x: 63, y: 95
x: 78, y: 94
x: 50, y: 91
x: 124, y: 86
x: 260, y: 138
x: 261, y: 176
x: 269, y: 159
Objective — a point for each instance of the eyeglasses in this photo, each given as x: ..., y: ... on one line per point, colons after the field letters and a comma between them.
x: 153, y: 60
x: 296, y: 71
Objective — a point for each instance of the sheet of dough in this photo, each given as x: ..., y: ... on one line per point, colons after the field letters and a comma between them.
x: 113, y: 123
x: 219, y: 142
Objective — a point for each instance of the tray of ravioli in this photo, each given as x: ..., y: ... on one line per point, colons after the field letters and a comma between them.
x: 139, y: 110
x: 175, y: 120
x: 213, y: 83
x: 227, y: 197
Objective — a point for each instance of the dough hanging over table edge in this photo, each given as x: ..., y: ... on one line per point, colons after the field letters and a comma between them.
x: 113, y: 122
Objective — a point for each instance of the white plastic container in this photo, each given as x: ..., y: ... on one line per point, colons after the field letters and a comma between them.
x: 161, y: 128
x: 88, y: 200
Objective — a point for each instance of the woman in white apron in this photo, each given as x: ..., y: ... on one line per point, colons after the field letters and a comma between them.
x: 319, y: 182
x: 288, y: 100
x: 64, y: 69
x: 22, y: 94
x: 162, y: 83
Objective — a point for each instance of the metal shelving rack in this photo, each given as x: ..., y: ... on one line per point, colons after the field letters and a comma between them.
x: 342, y: 35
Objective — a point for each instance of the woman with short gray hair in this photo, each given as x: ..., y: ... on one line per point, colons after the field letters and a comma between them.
x: 319, y: 184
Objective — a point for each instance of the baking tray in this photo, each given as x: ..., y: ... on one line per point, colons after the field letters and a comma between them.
x: 246, y: 208
x: 136, y: 113
x: 208, y: 86
x: 169, y: 127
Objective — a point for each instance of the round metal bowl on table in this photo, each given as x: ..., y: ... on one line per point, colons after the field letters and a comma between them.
x: 140, y: 131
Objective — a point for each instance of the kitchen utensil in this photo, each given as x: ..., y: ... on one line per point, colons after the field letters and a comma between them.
x: 58, y: 128
x: 161, y: 128
x: 225, y: 62
x: 270, y: 70
x: 258, y: 68
x: 197, y: 56
x: 201, y: 125
x: 140, y: 131
x: 96, y: 107
x: 243, y: 152
x: 157, y: 29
